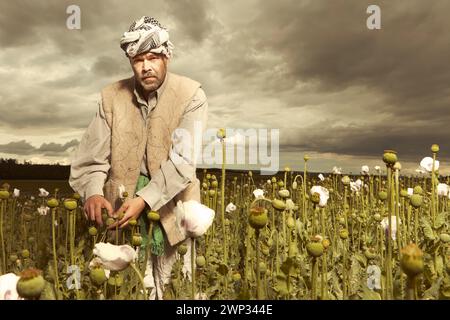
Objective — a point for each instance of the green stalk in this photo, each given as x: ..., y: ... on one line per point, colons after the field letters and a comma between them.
x: 314, y: 279
x: 141, y: 280
x: 2, y: 206
x: 55, y: 261
x: 193, y: 268
x: 258, y: 295
x: 222, y: 200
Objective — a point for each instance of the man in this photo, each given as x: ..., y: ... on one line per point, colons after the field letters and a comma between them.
x: 132, y: 142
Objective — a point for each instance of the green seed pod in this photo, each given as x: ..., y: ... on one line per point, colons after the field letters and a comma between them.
x: 136, y: 240
x: 290, y: 222
x: 204, y: 186
x: 4, y: 194
x: 153, y: 216
x: 342, y: 220
x: 236, y: 276
x: 306, y: 157
x: 257, y: 217
x: 278, y: 204
x: 70, y: 204
x: 370, y: 253
x: 76, y: 196
x: 343, y: 234
x: 13, y: 257
x: 109, y: 221
x: 315, y: 198
x: 445, y: 237
x: 416, y: 200
x: 200, y: 261
x: 97, y: 276
x: 52, y: 203
x: 404, y: 193
x: 315, y: 249
x: 412, y: 260
x: 435, y: 148
x: 30, y: 284
x: 377, y: 217
x: 132, y: 222
x: 280, y: 184
x: 326, y: 243
x: 346, y: 180
x: 215, y: 184
x: 221, y: 133
x: 417, y: 190
x: 212, y: 192
x: 208, y: 176
x: 182, y: 249
x: 382, y: 195
x: 25, y: 253
x: 117, y: 280
x: 294, y: 185
x: 262, y: 267
x: 92, y: 231
x: 390, y: 157
x: 274, y: 180
x: 284, y: 193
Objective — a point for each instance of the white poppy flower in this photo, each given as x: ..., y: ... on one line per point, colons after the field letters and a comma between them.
x: 337, y: 170
x: 290, y: 205
x: 269, y: 181
x: 8, y: 284
x: 356, y: 186
x: 43, y: 210
x: 43, y: 193
x: 323, y: 193
x: 230, y: 208
x: 365, y: 170
x: 410, y: 191
x: 121, y: 191
x: 16, y: 193
x: 377, y: 168
x: 427, y: 164
x: 112, y: 257
x: 385, y: 224
x: 193, y: 217
x: 258, y: 193
x: 442, y: 189
x: 321, y: 177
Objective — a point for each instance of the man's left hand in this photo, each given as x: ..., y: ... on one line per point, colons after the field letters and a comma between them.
x: 132, y: 209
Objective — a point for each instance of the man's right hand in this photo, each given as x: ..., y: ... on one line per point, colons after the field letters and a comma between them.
x: 93, y: 208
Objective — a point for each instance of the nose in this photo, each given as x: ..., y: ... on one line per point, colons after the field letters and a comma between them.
x: 147, y: 65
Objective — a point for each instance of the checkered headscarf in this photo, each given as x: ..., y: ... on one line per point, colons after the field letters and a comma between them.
x: 146, y: 34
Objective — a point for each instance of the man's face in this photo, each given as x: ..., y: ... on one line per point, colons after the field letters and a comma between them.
x: 149, y: 70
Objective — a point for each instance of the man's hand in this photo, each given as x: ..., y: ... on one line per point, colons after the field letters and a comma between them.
x: 93, y: 208
x: 132, y: 209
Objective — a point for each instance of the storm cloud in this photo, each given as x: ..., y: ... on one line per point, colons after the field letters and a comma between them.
x: 312, y: 69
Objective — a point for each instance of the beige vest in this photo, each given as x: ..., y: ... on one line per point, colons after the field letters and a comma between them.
x: 130, y: 138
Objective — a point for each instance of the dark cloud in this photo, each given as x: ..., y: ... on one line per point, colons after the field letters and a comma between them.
x: 23, y: 147
x: 18, y: 147
x: 310, y: 68
x: 193, y: 17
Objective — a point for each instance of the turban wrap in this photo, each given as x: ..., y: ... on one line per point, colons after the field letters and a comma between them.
x: 146, y: 34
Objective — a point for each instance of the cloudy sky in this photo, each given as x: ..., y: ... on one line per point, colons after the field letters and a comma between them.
x: 310, y: 68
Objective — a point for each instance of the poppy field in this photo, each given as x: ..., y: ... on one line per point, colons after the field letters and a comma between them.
x: 378, y: 235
